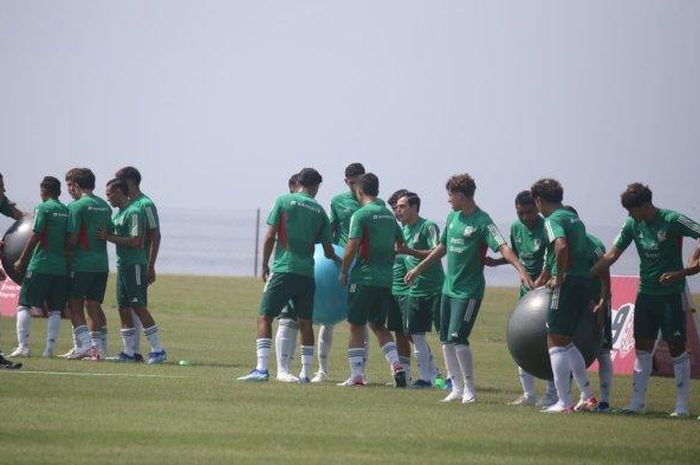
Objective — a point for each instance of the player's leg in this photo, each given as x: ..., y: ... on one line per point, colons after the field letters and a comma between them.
x: 605, y: 364
x: 304, y: 288
x: 325, y: 341
x: 673, y: 331
x: 56, y: 302
x: 126, y: 331
x: 560, y: 330
x: 529, y: 395
x: 34, y: 290
x: 646, y: 329
x: 454, y: 372
x: 136, y: 281
x: 394, y: 324
x: 577, y: 303
x: 462, y: 323
x: 79, y: 285
x: 94, y: 297
x: 418, y: 320
x: 357, y: 318
x: 285, y: 344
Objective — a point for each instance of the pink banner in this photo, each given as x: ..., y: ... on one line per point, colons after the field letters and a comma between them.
x: 9, y: 294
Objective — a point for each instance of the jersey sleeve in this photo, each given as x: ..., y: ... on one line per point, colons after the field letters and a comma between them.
x: 135, y: 225
x: 493, y: 237
x: 39, y: 220
x: 553, y: 229
x: 513, y: 245
x: 432, y: 234
x: 325, y: 231
x: 443, y: 236
x: 274, y: 217
x: 686, y: 227
x: 625, y: 236
x: 151, y: 213
x: 356, y: 224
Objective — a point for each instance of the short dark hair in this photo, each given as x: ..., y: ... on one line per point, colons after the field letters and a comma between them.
x: 309, y: 177
x: 71, y: 174
x: 354, y: 169
x: 548, y: 190
x: 636, y: 195
x: 413, y: 200
x: 293, y: 181
x: 118, y: 183
x: 369, y: 183
x: 524, y: 198
x: 396, y: 196
x: 129, y: 173
x: 461, y: 183
x: 51, y: 186
x: 84, y: 178
x: 571, y: 209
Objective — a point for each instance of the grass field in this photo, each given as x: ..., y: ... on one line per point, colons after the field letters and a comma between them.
x: 60, y: 412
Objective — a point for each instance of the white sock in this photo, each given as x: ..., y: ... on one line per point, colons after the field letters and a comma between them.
x: 561, y: 367
x: 285, y: 342
x: 527, y: 381
x: 75, y: 338
x: 53, y: 327
x: 390, y: 354
x: 96, y: 339
x: 640, y: 378
x: 262, y: 350
x: 127, y: 335
x: 406, y: 364
x: 152, y: 336
x: 466, y: 365
x: 81, y: 336
x: 366, y: 341
x: 356, y: 360
x: 24, y: 321
x: 605, y: 374
x: 681, y: 370
x: 578, y: 368
x: 307, y: 360
x: 551, y: 390
x: 454, y: 372
x: 138, y: 327
x: 421, y: 350
x: 103, y: 339
x: 325, y: 341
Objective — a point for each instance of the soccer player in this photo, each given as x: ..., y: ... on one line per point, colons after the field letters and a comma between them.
x: 374, y: 233
x: 342, y: 207
x: 297, y: 222
x: 657, y: 233
x: 468, y: 232
x: 528, y: 241
x: 566, y: 244
x: 151, y: 242
x: 45, y: 279
x: 399, y: 306
x: 422, y: 310
x: 128, y: 234
x: 89, y: 267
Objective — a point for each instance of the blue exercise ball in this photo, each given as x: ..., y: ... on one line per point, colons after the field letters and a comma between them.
x: 330, y: 299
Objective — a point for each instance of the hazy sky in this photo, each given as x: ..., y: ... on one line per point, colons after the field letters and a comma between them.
x: 218, y: 102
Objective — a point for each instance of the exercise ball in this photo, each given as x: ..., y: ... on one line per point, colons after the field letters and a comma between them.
x: 330, y: 298
x: 527, y: 334
x: 14, y: 241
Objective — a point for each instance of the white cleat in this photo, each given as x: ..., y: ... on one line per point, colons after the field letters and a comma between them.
x: 523, y: 400
x: 453, y: 396
x: 285, y: 377
x: 679, y: 414
x: 69, y: 353
x: 320, y: 377
x: 19, y: 352
x: 558, y: 408
x: 353, y: 382
x: 468, y: 397
x: 80, y: 353
x: 546, y: 401
x: 48, y: 353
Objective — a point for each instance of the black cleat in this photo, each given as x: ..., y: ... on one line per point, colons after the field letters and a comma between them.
x: 399, y: 376
x: 138, y: 358
x: 9, y: 365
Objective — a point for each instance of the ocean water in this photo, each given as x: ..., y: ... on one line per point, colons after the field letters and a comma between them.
x: 222, y: 243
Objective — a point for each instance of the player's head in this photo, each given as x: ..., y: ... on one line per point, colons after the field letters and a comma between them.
x: 310, y: 180
x: 352, y: 172
x: 395, y: 198
x: 117, y: 192
x: 130, y: 176
x: 526, y: 209
x: 71, y: 185
x: 50, y: 188
x: 547, y: 193
x: 367, y: 185
x: 637, y: 200
x: 460, y: 190
x: 85, y: 179
x: 408, y: 207
x: 293, y: 183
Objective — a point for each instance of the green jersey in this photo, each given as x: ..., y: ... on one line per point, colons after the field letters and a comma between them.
x: 659, y: 245
x: 424, y: 235
x: 342, y: 207
x: 529, y: 245
x: 565, y: 224
x: 301, y: 222
x: 6, y: 207
x: 596, y: 250
x: 129, y: 222
x: 398, y: 285
x: 49, y: 255
x: 150, y: 213
x: 466, y: 238
x: 377, y: 230
x: 86, y: 215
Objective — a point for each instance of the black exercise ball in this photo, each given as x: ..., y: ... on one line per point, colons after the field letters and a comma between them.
x: 14, y: 241
x: 527, y: 334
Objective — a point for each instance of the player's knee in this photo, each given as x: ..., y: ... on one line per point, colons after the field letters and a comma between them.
x: 676, y: 348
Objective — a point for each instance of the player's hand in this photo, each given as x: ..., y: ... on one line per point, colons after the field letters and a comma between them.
x: 265, y: 273
x: 527, y: 281
x: 402, y: 249
x: 671, y: 277
x: 600, y: 306
x: 556, y: 281
x: 102, y: 233
x: 491, y: 262
x: 343, y: 278
x: 410, y: 276
x: 151, y: 274
x: 18, y: 266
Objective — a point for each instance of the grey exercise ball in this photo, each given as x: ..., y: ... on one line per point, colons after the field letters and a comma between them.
x: 14, y: 241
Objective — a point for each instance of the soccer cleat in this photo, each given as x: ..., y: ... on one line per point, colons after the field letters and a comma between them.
x: 523, y: 400
x: 679, y: 414
x: 586, y: 405
x: 558, y: 408
x: 21, y: 351
x: 8, y: 365
x: 286, y: 377
x: 138, y: 358
x: 121, y: 357
x: 453, y: 396
x: 320, y: 377
x: 353, y: 382
x: 630, y: 410
x: 602, y: 407
x: 69, y: 353
x: 154, y: 358
x: 421, y: 384
x: 399, y: 375
x: 256, y: 376
x: 48, y: 353
x: 546, y: 401
x: 94, y: 355
x: 469, y: 397
x: 79, y: 353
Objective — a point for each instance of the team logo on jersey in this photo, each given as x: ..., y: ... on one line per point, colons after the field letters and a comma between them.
x: 536, y: 244
x: 469, y: 231
x: 661, y: 235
